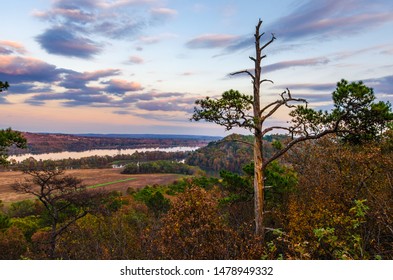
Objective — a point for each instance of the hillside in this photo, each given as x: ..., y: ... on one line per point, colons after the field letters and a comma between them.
x: 47, y: 143
x: 230, y: 153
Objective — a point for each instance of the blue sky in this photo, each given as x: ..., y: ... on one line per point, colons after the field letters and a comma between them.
x: 137, y: 66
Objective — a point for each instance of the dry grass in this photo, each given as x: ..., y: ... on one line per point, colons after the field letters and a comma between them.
x: 90, y: 177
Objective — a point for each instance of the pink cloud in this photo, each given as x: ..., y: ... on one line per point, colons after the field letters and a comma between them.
x: 212, y: 41
x: 296, y: 63
x: 330, y: 18
x: 164, y: 11
x: 118, y: 86
x: 16, y: 69
x: 94, y: 75
x: 156, y: 39
x: 8, y: 47
x: 136, y: 60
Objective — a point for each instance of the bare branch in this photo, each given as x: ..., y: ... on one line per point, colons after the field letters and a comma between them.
x: 268, y: 43
x: 268, y: 106
x: 266, y: 80
x: 243, y: 72
x: 266, y: 130
x: 272, y: 111
x: 306, y: 137
x: 277, y: 104
x: 293, y: 142
x: 258, y: 25
x: 260, y: 36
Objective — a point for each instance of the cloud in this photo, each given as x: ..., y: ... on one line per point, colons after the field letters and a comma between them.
x: 120, y: 87
x: 242, y: 43
x: 310, y: 87
x: 330, y: 19
x: 70, y: 14
x: 25, y: 88
x: 163, y: 116
x: 168, y: 102
x: 159, y: 15
x: 163, y: 105
x: 3, y: 100
x: 121, y: 112
x: 308, y: 62
x: 387, y: 51
x: 60, y: 41
x: 148, y: 96
x: 122, y: 3
x: 155, y: 39
x: 91, y: 97
x: 75, y: 80
x: 128, y: 102
x: 77, y: 26
x: 382, y: 85
x: 15, y: 69
x: 314, y: 97
x: 324, y: 19
x: 321, y: 92
x: 296, y: 63
x: 128, y: 28
x: 97, y: 100
x: 209, y: 41
x: 136, y: 60
x: 312, y: 92
x: 11, y: 47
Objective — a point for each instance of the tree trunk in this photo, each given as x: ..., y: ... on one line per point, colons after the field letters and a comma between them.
x: 53, y: 234
x: 52, y: 242
x: 258, y: 186
x: 258, y: 144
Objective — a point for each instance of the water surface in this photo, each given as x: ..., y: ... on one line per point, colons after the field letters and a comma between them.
x: 97, y: 152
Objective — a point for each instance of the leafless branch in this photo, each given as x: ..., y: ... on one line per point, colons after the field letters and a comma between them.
x: 243, y: 72
x: 266, y: 80
x: 266, y: 130
x: 268, y: 43
x: 306, y: 137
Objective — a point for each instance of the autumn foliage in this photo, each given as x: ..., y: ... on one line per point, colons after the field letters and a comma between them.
x: 195, y: 229
x: 326, y: 200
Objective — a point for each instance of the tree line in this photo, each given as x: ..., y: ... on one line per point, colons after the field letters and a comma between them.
x: 159, y: 166
x: 98, y: 161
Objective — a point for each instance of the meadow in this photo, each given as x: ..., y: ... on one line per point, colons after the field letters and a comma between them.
x: 109, y: 179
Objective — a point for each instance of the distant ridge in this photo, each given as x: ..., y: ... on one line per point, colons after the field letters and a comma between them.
x: 151, y: 136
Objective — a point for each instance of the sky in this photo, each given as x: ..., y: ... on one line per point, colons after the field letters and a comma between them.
x: 137, y: 66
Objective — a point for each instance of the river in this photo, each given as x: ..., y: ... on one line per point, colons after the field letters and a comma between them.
x: 98, y: 152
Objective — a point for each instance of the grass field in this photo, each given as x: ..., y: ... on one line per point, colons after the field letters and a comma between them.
x: 110, y: 183
x: 108, y: 179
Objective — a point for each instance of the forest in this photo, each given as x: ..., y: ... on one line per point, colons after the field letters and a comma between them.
x: 330, y: 200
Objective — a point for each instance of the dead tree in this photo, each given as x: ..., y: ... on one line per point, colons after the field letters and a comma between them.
x: 354, y: 113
